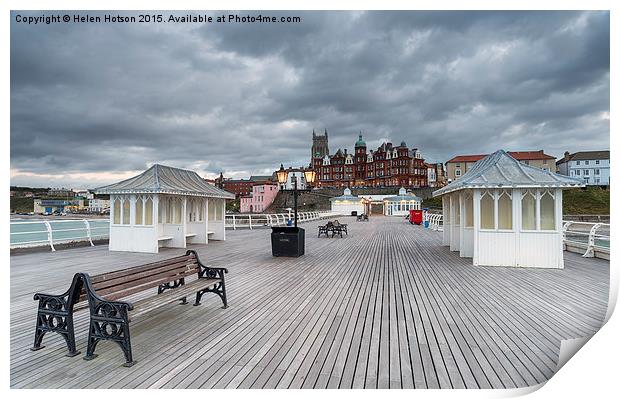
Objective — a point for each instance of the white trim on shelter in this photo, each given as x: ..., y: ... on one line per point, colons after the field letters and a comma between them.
x: 164, y: 207
x: 504, y: 213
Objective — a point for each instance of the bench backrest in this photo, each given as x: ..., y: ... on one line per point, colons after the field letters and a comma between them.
x: 122, y: 283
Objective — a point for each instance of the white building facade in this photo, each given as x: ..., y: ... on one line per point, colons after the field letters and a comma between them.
x: 348, y: 204
x: 98, y: 205
x: 401, y: 204
x: 590, y: 166
x: 294, y: 174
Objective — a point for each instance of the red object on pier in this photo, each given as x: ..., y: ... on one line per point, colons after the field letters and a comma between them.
x: 415, y: 216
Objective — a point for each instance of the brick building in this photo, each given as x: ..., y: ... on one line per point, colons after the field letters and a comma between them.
x: 242, y: 187
x: 388, y: 166
x: 457, y: 166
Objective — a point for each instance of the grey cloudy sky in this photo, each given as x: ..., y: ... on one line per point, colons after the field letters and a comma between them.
x: 94, y: 103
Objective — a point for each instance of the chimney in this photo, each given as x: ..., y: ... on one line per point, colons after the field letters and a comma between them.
x: 566, y: 155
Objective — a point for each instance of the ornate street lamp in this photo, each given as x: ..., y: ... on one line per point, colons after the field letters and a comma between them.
x: 282, y: 176
x: 290, y: 241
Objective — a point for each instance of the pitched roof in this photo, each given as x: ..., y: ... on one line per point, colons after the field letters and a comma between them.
x: 501, y: 170
x: 166, y: 180
x: 518, y: 155
x: 403, y: 195
x: 585, y: 156
x: 261, y: 178
x: 346, y: 196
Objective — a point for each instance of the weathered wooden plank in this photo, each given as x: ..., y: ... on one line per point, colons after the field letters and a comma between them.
x: 385, y: 306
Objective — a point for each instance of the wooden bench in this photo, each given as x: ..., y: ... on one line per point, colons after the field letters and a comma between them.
x: 106, y: 297
x: 325, y: 229
x: 338, y: 228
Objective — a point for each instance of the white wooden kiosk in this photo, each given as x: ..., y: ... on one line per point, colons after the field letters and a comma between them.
x: 400, y: 204
x: 347, y: 203
x: 164, y: 207
x: 505, y: 213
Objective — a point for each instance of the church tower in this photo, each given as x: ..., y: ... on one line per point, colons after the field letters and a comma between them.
x: 320, y: 147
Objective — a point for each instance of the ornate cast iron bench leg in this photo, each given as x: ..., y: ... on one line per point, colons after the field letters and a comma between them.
x: 55, y: 314
x: 175, y: 284
x: 211, y: 273
x: 109, y: 321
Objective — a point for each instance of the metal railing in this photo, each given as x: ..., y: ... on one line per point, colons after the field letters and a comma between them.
x: 593, y: 239
x: 241, y: 221
x: 588, y: 238
x: 435, y: 221
x: 25, y: 233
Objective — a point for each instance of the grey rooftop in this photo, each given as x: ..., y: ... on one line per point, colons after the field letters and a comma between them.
x: 160, y: 179
x: 500, y: 170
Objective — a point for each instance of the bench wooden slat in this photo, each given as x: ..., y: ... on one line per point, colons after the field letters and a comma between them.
x: 135, y: 289
x: 132, y: 287
x: 137, y: 269
x: 151, y: 303
x: 145, y: 274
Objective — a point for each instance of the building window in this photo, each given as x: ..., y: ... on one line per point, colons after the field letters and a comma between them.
x: 597, y: 171
x: 211, y: 213
x: 139, y: 209
x: 126, y: 211
x: 578, y: 162
x: 219, y: 211
x: 578, y: 172
x: 148, y: 211
x: 178, y: 211
x: 457, y: 172
x: 547, y: 211
x: 117, y: 211
x: 587, y: 162
x: 487, y: 211
x: 597, y: 162
x: 586, y: 172
x: 544, y: 161
x: 528, y: 210
x: 504, y: 211
x: 458, y: 165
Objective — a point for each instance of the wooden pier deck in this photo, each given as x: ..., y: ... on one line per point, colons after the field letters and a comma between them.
x: 384, y: 307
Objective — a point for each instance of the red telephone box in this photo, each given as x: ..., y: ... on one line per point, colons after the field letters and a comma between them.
x: 415, y: 216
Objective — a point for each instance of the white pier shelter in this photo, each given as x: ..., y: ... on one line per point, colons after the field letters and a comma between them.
x: 347, y: 203
x: 505, y: 213
x: 164, y: 207
x: 401, y: 204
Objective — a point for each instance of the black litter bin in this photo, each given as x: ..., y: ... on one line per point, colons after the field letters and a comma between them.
x: 288, y: 241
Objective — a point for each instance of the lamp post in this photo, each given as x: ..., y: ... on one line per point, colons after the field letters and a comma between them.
x: 309, y: 175
x: 290, y: 241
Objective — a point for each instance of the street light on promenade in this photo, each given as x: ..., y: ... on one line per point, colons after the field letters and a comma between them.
x: 309, y: 175
x: 290, y: 241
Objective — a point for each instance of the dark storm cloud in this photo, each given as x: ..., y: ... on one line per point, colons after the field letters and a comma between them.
x: 242, y: 98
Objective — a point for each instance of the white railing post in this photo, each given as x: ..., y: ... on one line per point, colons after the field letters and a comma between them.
x: 88, y: 235
x: 564, y: 230
x: 590, y: 251
x: 50, y: 237
x: 234, y: 222
x: 250, y: 221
